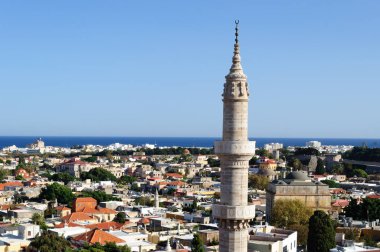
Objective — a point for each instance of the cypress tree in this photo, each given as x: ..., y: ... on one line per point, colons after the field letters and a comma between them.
x: 321, y: 236
x: 197, y: 244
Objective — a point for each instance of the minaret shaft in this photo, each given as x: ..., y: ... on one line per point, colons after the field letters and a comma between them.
x: 234, y: 151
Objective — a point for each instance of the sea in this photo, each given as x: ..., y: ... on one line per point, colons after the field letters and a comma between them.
x: 69, y: 141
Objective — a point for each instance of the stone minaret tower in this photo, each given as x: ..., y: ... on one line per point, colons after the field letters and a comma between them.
x: 235, y: 150
x: 156, y: 200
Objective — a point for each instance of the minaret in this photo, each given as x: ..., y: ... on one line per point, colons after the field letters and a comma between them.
x: 235, y: 150
x: 156, y: 200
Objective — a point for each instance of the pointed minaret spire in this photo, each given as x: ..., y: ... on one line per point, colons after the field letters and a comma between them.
x: 236, y: 67
x: 236, y: 86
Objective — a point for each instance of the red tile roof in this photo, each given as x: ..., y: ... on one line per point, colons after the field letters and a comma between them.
x: 177, y: 183
x: 373, y: 196
x: 104, y: 210
x: 77, y: 216
x: 85, y: 199
x: 174, y: 175
x: 61, y: 208
x: 70, y: 224
x: 340, y: 203
x: 106, y: 225
x: 11, y: 183
x: 88, y: 210
x: 97, y: 235
x: 144, y: 221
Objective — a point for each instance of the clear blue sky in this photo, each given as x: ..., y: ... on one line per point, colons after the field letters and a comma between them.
x: 156, y: 68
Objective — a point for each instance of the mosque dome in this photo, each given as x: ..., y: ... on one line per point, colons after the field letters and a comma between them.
x: 298, y: 175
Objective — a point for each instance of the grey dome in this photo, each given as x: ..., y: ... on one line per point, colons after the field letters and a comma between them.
x: 298, y: 175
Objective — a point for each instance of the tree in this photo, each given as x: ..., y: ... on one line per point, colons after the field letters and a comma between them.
x: 194, y: 205
x: 320, y: 169
x: 263, y: 153
x: 108, y: 247
x: 125, y: 180
x: 296, y: 164
x: 19, y: 177
x: 49, y: 242
x: 57, y: 192
x: 120, y: 217
x: 360, y: 173
x: 321, y: 236
x: 90, y: 159
x: 337, y: 168
x: 292, y: 214
x: 307, y: 151
x: 369, y: 209
x: 213, y: 162
x: 331, y: 183
x: 144, y: 201
x: 197, y: 244
x: 64, y: 177
x: 38, y: 219
x: 363, y: 154
x: 3, y: 173
x: 98, y: 174
x: 354, y: 209
x: 253, y: 161
x: 258, y: 181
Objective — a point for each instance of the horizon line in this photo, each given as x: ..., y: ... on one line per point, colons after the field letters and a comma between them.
x: 250, y: 137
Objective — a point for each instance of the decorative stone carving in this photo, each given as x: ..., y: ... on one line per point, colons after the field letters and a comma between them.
x: 233, y: 212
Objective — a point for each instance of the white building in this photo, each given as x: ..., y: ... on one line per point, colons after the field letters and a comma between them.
x: 270, y: 239
x: 351, y: 246
x: 273, y: 146
x: 314, y: 144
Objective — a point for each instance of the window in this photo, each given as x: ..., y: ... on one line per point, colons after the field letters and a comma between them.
x: 285, y: 249
x: 29, y: 233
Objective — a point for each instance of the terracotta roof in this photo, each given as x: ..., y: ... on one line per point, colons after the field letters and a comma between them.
x: 5, y: 207
x: 88, y: 210
x: 74, y: 162
x: 11, y: 183
x: 341, y: 203
x: 77, y: 216
x: 154, y: 178
x: 144, y: 221
x: 85, y: 199
x: 270, y: 161
x: 373, y: 196
x: 97, y: 235
x: 70, y: 224
x: 106, y: 225
x: 337, y: 190
x: 106, y: 210
x: 61, y: 208
x: 177, y: 183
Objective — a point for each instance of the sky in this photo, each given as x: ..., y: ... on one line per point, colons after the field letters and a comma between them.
x: 156, y: 68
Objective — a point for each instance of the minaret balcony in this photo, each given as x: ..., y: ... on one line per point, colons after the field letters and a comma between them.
x: 243, y: 148
x: 233, y: 212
